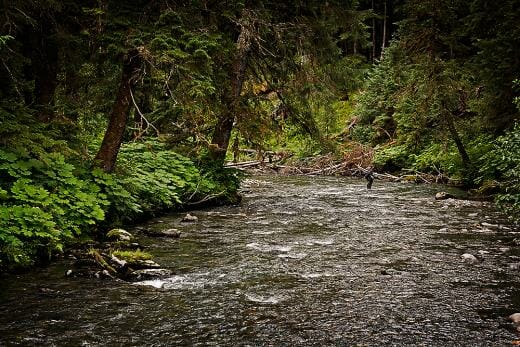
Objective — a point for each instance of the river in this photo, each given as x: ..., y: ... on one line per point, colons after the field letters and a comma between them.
x: 301, y: 262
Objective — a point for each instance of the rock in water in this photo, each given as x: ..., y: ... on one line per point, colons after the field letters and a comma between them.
x: 515, y: 318
x: 171, y: 233
x: 119, y: 235
x: 149, y: 274
x: 143, y: 264
x: 118, y: 263
x: 443, y: 196
x: 469, y: 258
x: 189, y: 218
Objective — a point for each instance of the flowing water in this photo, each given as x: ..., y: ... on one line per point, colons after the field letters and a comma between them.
x: 301, y: 262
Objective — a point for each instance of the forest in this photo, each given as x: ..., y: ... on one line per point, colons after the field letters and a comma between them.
x: 115, y: 111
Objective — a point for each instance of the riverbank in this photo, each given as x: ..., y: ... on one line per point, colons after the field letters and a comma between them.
x: 50, y: 202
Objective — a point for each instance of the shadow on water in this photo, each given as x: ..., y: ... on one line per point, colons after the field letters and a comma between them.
x: 303, y: 261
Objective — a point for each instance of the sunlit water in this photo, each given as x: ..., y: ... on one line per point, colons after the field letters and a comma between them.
x: 301, y: 262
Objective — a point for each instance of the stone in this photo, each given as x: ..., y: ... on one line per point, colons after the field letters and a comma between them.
x: 189, y: 218
x: 119, y: 235
x: 144, y: 264
x: 120, y: 264
x: 515, y: 318
x: 443, y: 196
x: 171, y: 233
x: 514, y: 266
x: 469, y: 258
x: 149, y: 274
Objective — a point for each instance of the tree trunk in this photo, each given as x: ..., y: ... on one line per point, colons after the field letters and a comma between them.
x: 466, y: 162
x: 42, y: 48
x: 383, y: 45
x: 224, y: 127
x: 107, y: 154
x: 373, y: 57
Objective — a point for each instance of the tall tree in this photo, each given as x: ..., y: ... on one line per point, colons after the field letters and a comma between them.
x: 222, y: 132
x: 132, y: 67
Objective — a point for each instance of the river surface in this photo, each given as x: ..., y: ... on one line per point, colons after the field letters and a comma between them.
x: 301, y: 262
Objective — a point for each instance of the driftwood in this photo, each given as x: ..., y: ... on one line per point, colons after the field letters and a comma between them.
x: 326, y: 166
x: 356, y: 162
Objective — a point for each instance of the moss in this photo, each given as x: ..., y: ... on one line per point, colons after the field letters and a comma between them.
x: 132, y: 256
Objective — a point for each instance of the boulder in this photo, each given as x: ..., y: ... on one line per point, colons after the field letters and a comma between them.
x: 469, y: 258
x: 189, y: 218
x: 119, y: 235
x: 515, y: 318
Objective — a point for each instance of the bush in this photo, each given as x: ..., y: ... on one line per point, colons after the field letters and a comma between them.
x: 392, y: 158
x: 157, y: 178
x: 43, y: 203
x: 503, y: 163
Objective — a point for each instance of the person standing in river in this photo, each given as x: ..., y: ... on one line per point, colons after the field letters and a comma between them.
x: 369, y: 176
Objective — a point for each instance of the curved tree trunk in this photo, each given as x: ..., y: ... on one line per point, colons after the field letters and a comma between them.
x: 107, y: 154
x: 224, y: 127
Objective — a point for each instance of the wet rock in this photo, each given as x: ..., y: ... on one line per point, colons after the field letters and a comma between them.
x: 171, y: 233
x: 469, y: 258
x: 514, y: 266
x: 118, y: 263
x: 489, y: 225
x: 119, y: 235
x: 386, y: 272
x: 143, y: 264
x: 443, y: 196
x: 149, y: 274
x: 189, y: 218
x: 515, y: 318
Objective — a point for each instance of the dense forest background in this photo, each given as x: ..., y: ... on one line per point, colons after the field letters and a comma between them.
x: 114, y: 110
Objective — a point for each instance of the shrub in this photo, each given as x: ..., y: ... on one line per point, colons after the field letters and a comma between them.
x: 503, y: 162
x: 391, y: 158
x: 43, y: 203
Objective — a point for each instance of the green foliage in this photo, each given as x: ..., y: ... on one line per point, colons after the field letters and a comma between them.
x: 503, y: 163
x: 43, y: 204
x: 392, y: 158
x: 156, y: 177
